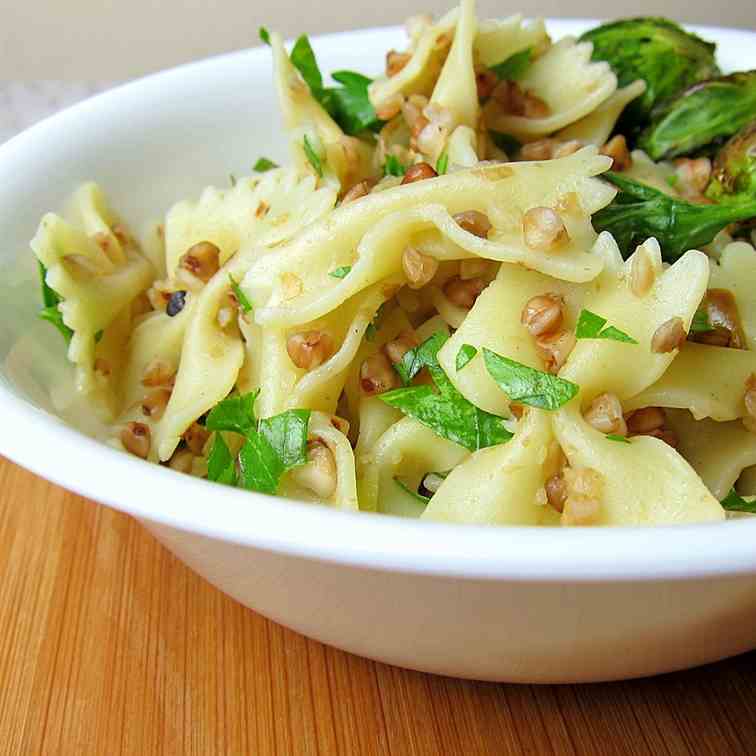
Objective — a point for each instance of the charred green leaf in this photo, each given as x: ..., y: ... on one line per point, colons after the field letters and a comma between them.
x: 657, y: 50
x: 640, y: 211
x: 707, y: 112
x: 734, y: 171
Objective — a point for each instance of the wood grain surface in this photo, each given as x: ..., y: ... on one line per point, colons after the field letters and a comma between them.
x: 109, y: 645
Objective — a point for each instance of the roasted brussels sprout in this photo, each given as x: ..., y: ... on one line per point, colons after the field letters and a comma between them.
x: 660, y: 52
x: 700, y: 115
x: 734, y: 174
x: 640, y: 211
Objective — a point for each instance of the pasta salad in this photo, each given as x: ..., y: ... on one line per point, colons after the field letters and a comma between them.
x: 510, y: 281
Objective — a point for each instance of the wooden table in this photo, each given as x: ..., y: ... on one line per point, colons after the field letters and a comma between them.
x: 109, y: 645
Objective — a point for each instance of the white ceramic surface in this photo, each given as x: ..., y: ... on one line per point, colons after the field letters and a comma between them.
x: 519, y: 604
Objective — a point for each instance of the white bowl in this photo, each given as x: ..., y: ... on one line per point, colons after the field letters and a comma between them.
x: 516, y: 604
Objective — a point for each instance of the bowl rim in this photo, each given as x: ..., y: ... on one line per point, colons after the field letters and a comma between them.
x: 44, y: 444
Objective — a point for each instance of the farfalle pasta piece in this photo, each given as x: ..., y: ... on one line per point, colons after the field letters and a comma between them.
x: 499, y: 485
x: 707, y: 380
x: 494, y: 322
x: 250, y: 373
x: 265, y: 211
x: 90, y: 211
x: 571, y: 85
x: 406, y: 451
x: 736, y: 272
x: 284, y: 385
x: 324, y: 384
x: 156, y: 337
x: 294, y: 286
x: 718, y: 452
x: 375, y: 418
x: 462, y: 148
x: 498, y: 40
x: 386, y: 327
x: 419, y: 75
x: 660, y: 175
x: 597, y: 126
x: 211, y: 356
x: 98, y: 278
x: 605, y: 365
x: 455, y: 90
x: 644, y: 482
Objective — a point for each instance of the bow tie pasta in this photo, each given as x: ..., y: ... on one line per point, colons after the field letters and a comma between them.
x: 471, y: 297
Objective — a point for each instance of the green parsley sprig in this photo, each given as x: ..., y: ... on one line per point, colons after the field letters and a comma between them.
x: 441, y: 407
x: 349, y: 105
x: 271, y: 446
x: 464, y: 355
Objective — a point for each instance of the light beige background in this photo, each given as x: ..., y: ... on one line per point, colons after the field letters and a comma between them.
x: 117, y: 39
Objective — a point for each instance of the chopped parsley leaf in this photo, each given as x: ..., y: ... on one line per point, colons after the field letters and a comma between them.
x: 264, y: 164
x: 734, y: 502
x: 464, y: 355
x: 272, y: 445
x: 313, y: 157
x: 241, y: 297
x: 414, y: 494
x: 526, y: 385
x: 673, y: 180
x: 590, y: 325
x: 235, y: 413
x: 349, y: 105
x: 443, y: 409
x: 221, y: 467
x: 303, y: 59
x: 341, y: 272
x: 701, y: 322
x: 50, y: 300
x: 392, y: 166
x: 424, y: 355
x: 372, y: 330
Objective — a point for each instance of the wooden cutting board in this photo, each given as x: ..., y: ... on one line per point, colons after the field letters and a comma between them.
x: 109, y: 645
